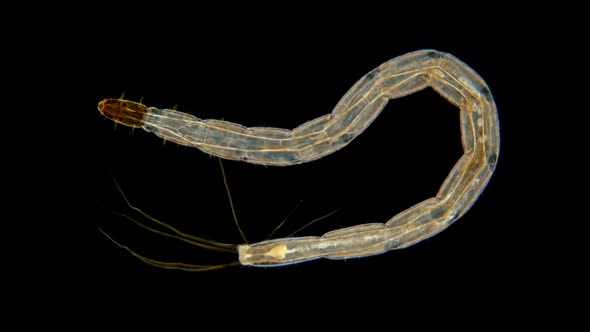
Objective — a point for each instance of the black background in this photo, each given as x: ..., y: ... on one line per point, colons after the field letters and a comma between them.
x: 527, y: 229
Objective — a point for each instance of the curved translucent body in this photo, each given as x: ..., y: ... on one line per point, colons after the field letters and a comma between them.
x: 406, y: 74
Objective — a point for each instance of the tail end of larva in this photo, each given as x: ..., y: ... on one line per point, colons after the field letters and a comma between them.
x: 128, y: 113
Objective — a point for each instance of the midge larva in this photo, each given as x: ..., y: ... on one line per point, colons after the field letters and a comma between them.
x: 404, y: 75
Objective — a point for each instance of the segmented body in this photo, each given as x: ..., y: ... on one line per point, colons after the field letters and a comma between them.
x: 404, y: 75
